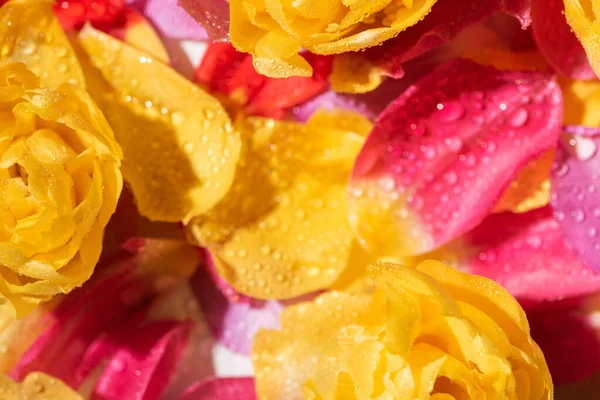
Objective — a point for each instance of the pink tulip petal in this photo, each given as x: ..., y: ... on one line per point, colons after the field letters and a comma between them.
x: 213, y: 15
x: 233, y: 324
x: 169, y: 19
x: 441, y: 155
x: 525, y: 253
x: 567, y: 332
x: 576, y: 194
x: 141, y: 367
x: 222, y: 389
x: 557, y: 42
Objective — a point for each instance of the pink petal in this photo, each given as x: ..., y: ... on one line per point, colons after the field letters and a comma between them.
x: 213, y: 15
x: 557, y: 42
x: 233, y: 324
x: 169, y: 19
x: 443, y: 152
x: 576, y: 194
x: 520, y: 9
x: 142, y: 366
x: 525, y: 253
x: 222, y: 389
x: 567, y: 332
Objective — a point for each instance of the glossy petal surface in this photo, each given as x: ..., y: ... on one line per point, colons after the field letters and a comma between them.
x: 442, y: 154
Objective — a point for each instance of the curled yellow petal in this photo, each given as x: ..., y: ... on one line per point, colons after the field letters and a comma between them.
x: 59, y: 185
x: 584, y: 18
x: 36, y: 386
x: 425, y: 333
x: 274, y: 31
x: 30, y: 33
x: 283, y: 228
x: 180, y: 148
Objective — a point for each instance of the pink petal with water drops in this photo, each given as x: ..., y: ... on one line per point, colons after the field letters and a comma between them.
x: 213, y: 15
x: 141, y: 367
x: 575, y: 194
x: 557, y: 42
x: 222, y: 389
x: 525, y: 253
x: 169, y: 19
x: 440, y: 155
x: 233, y: 324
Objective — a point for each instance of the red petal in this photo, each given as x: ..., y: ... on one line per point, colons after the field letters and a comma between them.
x: 557, y: 42
x: 142, y: 366
x: 440, y: 156
x: 74, y: 13
x: 213, y: 15
x: 525, y: 253
x: 222, y: 389
x: 567, y: 332
x: 224, y: 69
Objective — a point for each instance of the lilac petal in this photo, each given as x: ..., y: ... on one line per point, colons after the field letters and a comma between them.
x: 171, y: 21
x: 576, y: 195
x: 213, y: 15
x: 233, y: 324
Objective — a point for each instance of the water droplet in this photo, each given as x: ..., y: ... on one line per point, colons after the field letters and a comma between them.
x: 450, y: 112
x: 519, y: 118
x: 592, y: 232
x: 28, y: 47
x: 577, y: 215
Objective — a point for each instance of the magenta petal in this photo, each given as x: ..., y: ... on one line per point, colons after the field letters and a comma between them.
x: 141, y: 368
x: 520, y: 9
x: 233, y: 324
x: 171, y: 21
x: 440, y: 155
x: 576, y: 195
x: 557, y: 42
x: 525, y: 253
x: 222, y: 389
x: 213, y: 15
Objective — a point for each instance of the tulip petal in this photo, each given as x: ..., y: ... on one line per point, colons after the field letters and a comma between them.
x: 567, y: 332
x: 213, y: 15
x: 576, y: 194
x: 526, y: 254
x: 557, y: 42
x: 228, y: 71
x: 583, y: 16
x: 222, y: 389
x: 36, y: 386
x: 171, y: 21
x: 440, y: 156
x: 290, y: 235
x: 31, y: 34
x: 180, y: 148
x: 142, y: 366
x: 233, y: 324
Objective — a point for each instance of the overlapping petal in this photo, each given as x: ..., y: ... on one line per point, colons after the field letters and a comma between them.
x: 290, y: 234
x: 275, y: 31
x: 179, y: 145
x: 556, y: 40
x: 213, y: 15
x: 426, y: 333
x: 171, y: 21
x: 583, y: 17
x: 222, y: 389
x: 440, y: 156
x: 576, y: 194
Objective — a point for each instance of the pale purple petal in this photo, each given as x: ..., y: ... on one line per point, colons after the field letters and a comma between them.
x: 576, y: 194
x: 171, y: 21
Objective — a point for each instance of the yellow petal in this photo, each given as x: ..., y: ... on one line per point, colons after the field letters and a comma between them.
x: 582, y: 101
x: 584, y: 18
x: 140, y: 34
x: 36, y: 386
x: 180, y: 149
x: 31, y: 33
x: 531, y: 187
x: 354, y: 74
x: 289, y: 234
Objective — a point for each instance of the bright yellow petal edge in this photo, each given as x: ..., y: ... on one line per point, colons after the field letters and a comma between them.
x: 584, y: 18
x: 275, y: 31
x: 36, y: 386
x: 429, y: 332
